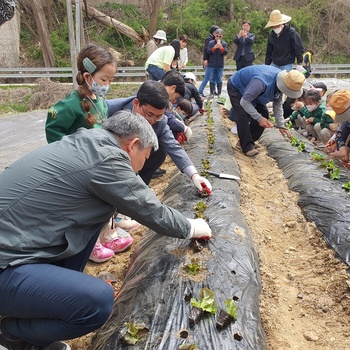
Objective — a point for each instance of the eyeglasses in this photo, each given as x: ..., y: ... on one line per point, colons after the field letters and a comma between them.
x: 151, y: 116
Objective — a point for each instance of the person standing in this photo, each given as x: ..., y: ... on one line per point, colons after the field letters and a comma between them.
x: 53, y: 204
x: 158, y: 39
x: 216, y: 50
x: 284, y: 44
x: 307, y: 59
x: 205, y: 59
x: 182, y: 62
x: 244, y: 40
x: 250, y: 89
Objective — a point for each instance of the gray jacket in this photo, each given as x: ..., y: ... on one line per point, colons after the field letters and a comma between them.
x: 55, y: 198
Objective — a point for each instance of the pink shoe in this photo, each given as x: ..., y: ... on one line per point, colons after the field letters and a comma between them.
x: 101, y: 253
x: 119, y: 244
x: 126, y: 223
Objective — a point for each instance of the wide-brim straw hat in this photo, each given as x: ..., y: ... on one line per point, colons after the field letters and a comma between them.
x: 161, y: 35
x: 290, y: 83
x: 277, y: 18
x: 340, y: 103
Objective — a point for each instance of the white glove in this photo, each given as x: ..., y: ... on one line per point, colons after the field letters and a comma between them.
x: 201, y: 183
x: 188, y: 132
x: 199, y: 229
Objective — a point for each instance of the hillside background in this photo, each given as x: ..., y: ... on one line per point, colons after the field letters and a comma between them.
x: 41, y: 26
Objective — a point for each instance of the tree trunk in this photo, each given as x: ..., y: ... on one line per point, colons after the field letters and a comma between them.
x: 232, y: 10
x: 107, y: 21
x: 43, y: 31
x: 153, y: 10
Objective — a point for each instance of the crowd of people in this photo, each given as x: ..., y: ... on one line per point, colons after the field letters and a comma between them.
x: 78, y: 197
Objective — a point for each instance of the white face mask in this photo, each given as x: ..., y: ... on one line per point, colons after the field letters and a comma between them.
x: 97, y: 89
x: 278, y: 30
x: 311, y: 108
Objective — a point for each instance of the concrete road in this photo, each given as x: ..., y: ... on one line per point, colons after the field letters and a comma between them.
x: 19, y: 134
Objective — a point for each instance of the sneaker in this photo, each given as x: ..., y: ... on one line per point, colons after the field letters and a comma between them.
x: 126, y: 223
x: 19, y: 344
x: 158, y: 173
x: 252, y: 153
x: 201, y: 94
x: 120, y: 243
x: 58, y: 345
x: 100, y: 253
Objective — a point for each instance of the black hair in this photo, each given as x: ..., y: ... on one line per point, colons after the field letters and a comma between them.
x: 173, y: 77
x: 320, y: 85
x: 185, y: 105
x: 177, y: 46
x: 313, y: 95
x: 213, y: 29
x: 153, y: 93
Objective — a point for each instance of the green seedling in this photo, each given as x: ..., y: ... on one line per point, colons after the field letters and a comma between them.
x: 316, y: 156
x: 334, y: 173
x: 231, y: 308
x: 294, y: 141
x: 133, y: 332
x: 301, y: 147
x: 199, y: 210
x: 192, y: 268
x: 289, y: 125
x: 272, y: 119
x: 206, y: 164
x: 206, y: 301
x: 346, y: 186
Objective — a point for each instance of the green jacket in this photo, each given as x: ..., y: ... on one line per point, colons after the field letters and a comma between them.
x: 316, y: 114
x: 67, y: 116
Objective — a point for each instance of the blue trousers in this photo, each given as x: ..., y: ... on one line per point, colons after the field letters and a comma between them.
x: 155, y: 73
x: 45, y: 302
x: 208, y: 71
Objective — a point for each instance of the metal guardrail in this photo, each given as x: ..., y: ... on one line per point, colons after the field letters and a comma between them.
x: 334, y: 70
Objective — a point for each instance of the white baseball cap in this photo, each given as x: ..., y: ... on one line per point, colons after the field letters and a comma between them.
x: 190, y: 75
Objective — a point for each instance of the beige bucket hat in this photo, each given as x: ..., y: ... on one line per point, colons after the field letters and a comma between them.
x: 340, y: 103
x: 291, y: 83
x: 161, y: 35
x: 277, y: 18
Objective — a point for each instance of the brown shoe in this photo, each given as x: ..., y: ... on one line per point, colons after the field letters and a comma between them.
x: 252, y: 153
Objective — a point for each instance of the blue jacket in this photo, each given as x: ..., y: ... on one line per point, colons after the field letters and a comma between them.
x: 165, y: 136
x: 267, y: 74
x: 247, y: 45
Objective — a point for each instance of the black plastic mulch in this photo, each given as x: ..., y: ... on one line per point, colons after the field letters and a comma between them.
x: 156, y: 285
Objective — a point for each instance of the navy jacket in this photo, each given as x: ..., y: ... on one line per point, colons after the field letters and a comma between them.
x: 247, y: 44
x: 216, y: 57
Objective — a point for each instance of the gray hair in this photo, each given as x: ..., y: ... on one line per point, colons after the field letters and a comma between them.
x: 128, y: 125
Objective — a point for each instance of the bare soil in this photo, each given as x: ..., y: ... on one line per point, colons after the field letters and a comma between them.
x: 306, y: 295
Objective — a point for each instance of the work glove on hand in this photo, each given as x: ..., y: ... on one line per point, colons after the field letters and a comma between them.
x: 181, y: 138
x: 188, y: 132
x: 199, y: 229
x: 201, y: 111
x: 202, y: 183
